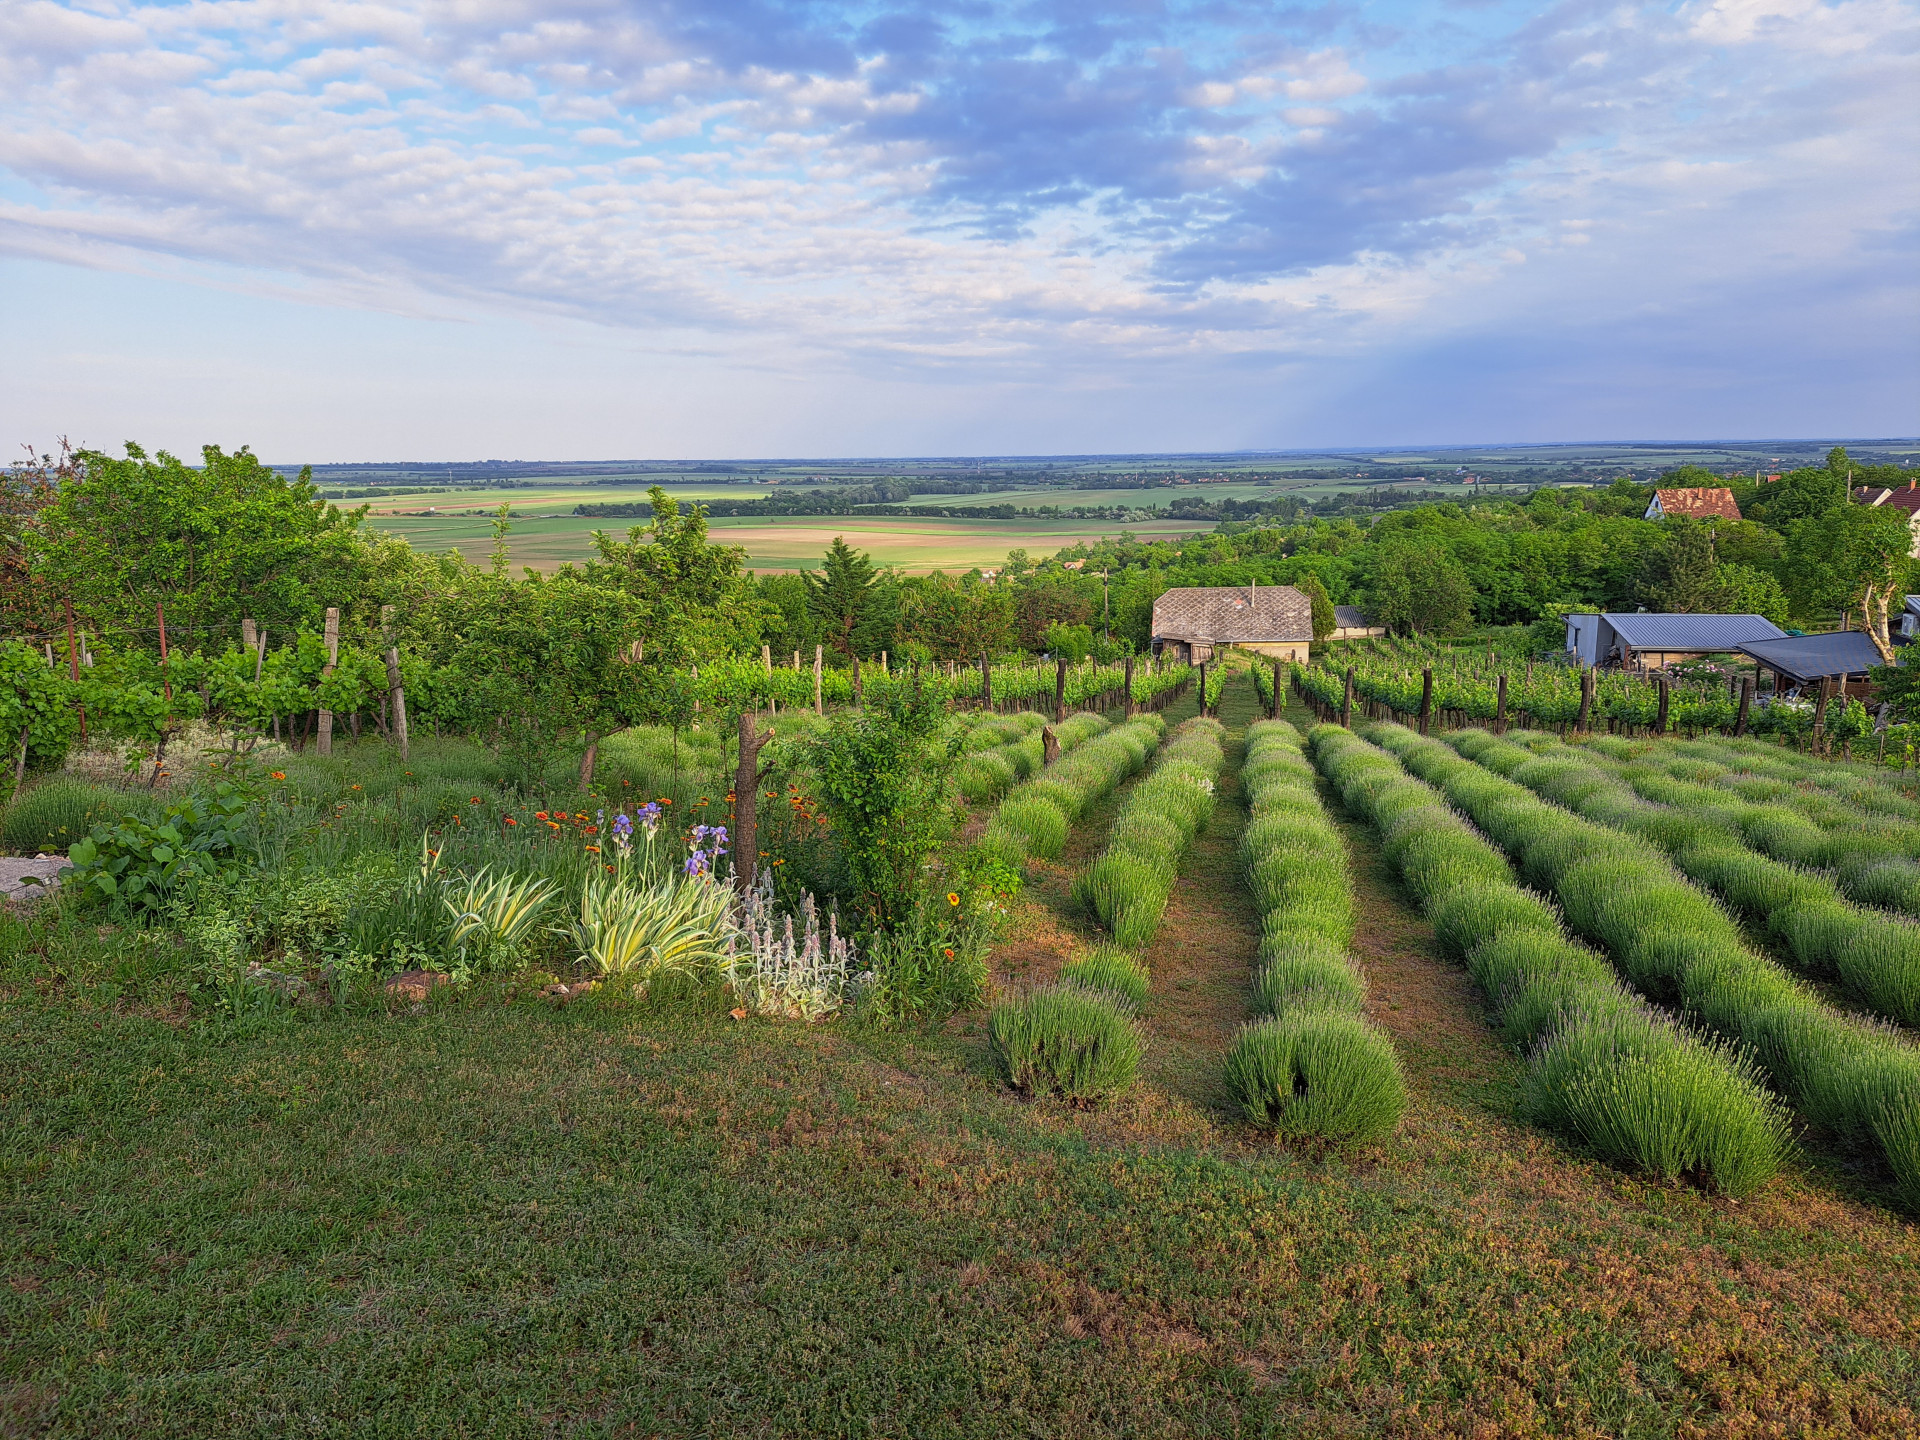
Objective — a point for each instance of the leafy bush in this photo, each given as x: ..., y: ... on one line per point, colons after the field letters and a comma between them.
x: 1303, y: 972
x: 1037, y: 823
x: 1129, y: 883
x: 1065, y: 1040
x: 1317, y: 1073
x: 139, y: 866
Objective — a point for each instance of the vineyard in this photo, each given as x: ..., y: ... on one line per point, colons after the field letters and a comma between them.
x: 1455, y: 688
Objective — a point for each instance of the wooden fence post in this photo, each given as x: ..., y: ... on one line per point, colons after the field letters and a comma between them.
x: 1049, y: 746
x: 1500, y: 706
x: 746, y: 801
x: 1060, y: 690
x: 1426, y: 699
x: 398, y: 694
x: 331, y: 635
x: 1746, y: 702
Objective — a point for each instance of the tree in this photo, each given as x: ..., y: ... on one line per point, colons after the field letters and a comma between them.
x: 1324, y: 620
x: 841, y: 593
x: 232, y: 539
x: 1852, y: 558
x: 693, y: 598
x: 26, y: 605
x: 957, y: 619
x: 1417, y: 589
x: 1682, y: 575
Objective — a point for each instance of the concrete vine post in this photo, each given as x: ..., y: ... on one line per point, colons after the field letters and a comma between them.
x: 398, y: 694
x: 746, y: 802
x: 331, y: 635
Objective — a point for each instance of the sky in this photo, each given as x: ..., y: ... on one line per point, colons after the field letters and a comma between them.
x: 341, y: 230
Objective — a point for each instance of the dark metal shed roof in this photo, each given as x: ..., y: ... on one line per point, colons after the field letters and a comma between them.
x: 1816, y: 657
x: 1701, y: 633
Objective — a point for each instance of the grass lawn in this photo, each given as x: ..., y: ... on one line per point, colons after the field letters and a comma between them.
x: 787, y: 542
x: 496, y: 1217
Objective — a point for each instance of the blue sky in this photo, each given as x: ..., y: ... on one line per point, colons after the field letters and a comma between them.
x: 349, y: 229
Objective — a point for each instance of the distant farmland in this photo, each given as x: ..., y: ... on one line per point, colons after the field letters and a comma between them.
x: 775, y: 542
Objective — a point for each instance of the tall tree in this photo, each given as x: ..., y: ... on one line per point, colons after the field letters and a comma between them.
x: 841, y: 593
x: 1855, y: 559
x: 231, y: 539
x: 695, y: 598
x: 1419, y: 589
x: 1325, y: 622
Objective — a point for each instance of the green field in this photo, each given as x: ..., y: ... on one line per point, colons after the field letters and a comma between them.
x: 788, y: 542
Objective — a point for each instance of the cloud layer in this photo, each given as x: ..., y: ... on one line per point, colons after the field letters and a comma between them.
x: 982, y: 194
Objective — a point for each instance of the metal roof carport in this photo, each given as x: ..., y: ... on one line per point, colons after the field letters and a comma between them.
x: 1802, y: 659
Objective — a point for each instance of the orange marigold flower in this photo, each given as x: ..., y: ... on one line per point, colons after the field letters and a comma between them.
x: 510, y: 820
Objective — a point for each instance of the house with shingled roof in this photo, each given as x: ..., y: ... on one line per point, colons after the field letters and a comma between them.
x: 1701, y: 502
x: 1907, y: 499
x: 1191, y: 624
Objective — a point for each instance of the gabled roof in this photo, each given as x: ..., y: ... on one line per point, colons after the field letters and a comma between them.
x: 1697, y: 502
x: 1701, y: 633
x: 1906, y: 498
x: 1226, y: 614
x: 1815, y: 657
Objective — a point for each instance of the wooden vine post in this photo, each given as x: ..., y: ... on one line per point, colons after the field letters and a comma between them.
x: 1586, y: 702
x: 1203, y: 687
x: 1500, y: 706
x: 1346, y: 701
x: 1060, y: 690
x: 1049, y: 746
x: 986, y: 682
x: 1666, y: 698
x: 746, y: 801
x: 73, y: 669
x: 331, y: 636
x: 1746, y: 703
x: 818, y: 657
x: 1820, y: 712
x: 1279, y: 695
x: 1426, y: 699
x: 1131, y: 709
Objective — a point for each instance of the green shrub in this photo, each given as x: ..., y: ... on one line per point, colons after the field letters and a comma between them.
x: 1306, y: 972
x: 50, y: 816
x: 983, y: 776
x: 1109, y: 971
x: 1881, y: 964
x: 1317, y: 1073
x: 1897, y: 1129
x: 1129, y: 894
x: 1065, y: 1040
x: 1442, y: 861
x: 1478, y: 910
x: 1639, y: 1097
x: 1037, y: 822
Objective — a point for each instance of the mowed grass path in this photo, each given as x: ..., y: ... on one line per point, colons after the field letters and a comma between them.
x: 498, y: 1218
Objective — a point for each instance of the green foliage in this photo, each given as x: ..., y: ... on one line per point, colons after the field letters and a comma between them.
x: 137, y: 866
x: 884, y: 781
x: 1110, y: 971
x: 1065, y: 1040
x: 232, y: 538
x: 36, y: 712
x: 1128, y: 884
x: 627, y: 926
x: 845, y: 596
x: 1416, y: 590
x: 690, y: 599
x: 1325, y: 622
x: 491, y: 916
x: 50, y: 816
x: 1317, y: 1073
